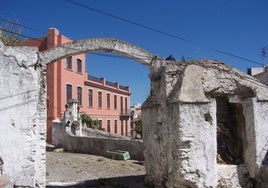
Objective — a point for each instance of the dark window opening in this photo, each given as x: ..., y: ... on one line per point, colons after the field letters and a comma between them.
x: 79, y: 65
x: 108, y: 100
x: 68, y: 92
x: 108, y: 126
x: 126, y: 105
x: 122, y: 127
x: 79, y: 95
x: 90, y: 97
x: 126, y: 128
x: 115, y: 126
x: 69, y: 62
x: 121, y: 105
x: 99, y: 99
x: 230, y: 132
x: 115, y: 101
x: 100, y: 123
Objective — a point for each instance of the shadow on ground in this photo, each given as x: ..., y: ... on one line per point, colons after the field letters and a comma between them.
x: 117, y: 182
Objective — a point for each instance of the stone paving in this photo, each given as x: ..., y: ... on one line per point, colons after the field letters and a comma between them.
x: 83, y: 170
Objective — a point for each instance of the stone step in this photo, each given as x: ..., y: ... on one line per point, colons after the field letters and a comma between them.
x: 118, y: 155
x: 5, y: 183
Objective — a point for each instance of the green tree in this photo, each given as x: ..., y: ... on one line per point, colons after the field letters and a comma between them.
x: 94, y: 124
x: 88, y: 121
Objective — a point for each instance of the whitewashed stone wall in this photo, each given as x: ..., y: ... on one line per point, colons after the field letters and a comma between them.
x: 180, y: 125
x: 23, y: 116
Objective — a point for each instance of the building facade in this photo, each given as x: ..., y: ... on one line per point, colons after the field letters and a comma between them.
x: 261, y: 73
x: 67, y: 78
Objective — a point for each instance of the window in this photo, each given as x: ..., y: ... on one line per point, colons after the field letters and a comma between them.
x: 79, y: 65
x: 100, y: 123
x: 121, y: 104
x: 99, y: 99
x: 69, y: 62
x: 68, y: 92
x: 108, y: 126
x: 115, y: 102
x: 126, y: 105
x: 122, y: 127
x: 126, y: 128
x: 90, y: 97
x: 115, y: 126
x: 79, y: 95
x: 108, y: 100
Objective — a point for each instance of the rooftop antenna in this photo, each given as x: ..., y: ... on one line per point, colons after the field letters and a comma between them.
x: 263, y: 54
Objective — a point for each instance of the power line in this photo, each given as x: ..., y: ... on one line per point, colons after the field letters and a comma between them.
x: 161, y: 32
x: 16, y: 33
x: 18, y: 24
x: 114, y: 56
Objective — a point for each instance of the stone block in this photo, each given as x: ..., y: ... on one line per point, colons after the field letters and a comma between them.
x: 118, y: 155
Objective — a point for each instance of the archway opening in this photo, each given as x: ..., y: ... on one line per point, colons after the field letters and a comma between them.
x: 103, y: 87
x: 230, y: 131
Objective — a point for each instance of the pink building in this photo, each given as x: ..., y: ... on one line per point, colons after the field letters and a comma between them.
x: 67, y: 78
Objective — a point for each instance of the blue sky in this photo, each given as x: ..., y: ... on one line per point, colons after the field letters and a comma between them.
x: 238, y: 27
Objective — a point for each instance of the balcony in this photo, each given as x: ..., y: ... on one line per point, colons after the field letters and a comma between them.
x: 125, y: 113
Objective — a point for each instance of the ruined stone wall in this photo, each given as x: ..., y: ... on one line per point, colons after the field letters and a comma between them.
x: 95, y: 145
x: 23, y: 116
x: 99, y: 146
x: 180, y: 125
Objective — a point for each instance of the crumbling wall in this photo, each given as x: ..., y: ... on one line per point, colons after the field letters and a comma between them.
x: 23, y: 116
x: 180, y: 125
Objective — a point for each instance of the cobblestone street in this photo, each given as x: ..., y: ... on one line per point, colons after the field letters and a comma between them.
x: 84, y: 170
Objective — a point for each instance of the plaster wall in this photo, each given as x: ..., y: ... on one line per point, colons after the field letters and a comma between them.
x: 23, y: 116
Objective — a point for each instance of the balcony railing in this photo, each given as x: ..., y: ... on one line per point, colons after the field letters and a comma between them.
x: 125, y: 113
x: 93, y: 78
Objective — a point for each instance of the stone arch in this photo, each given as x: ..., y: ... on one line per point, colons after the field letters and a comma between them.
x: 180, y: 146
x: 100, y: 45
